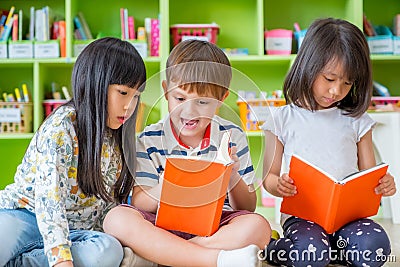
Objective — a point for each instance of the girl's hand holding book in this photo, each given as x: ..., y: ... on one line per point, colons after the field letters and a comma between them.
x: 285, y: 186
x: 387, y: 186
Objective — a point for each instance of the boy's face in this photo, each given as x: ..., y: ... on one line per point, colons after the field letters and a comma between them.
x: 190, y: 113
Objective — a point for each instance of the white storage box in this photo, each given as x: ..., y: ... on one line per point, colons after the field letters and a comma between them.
x: 47, y: 49
x: 20, y: 49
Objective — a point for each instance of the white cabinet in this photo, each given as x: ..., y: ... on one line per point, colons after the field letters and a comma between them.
x: 386, y: 138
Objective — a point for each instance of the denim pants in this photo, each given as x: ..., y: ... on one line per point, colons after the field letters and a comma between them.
x: 360, y: 243
x: 21, y: 243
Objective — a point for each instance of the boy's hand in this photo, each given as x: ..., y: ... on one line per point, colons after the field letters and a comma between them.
x: 235, y: 158
x: 285, y: 186
x: 387, y: 186
x: 235, y: 177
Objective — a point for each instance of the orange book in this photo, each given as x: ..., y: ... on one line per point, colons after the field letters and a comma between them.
x: 330, y: 203
x: 62, y: 36
x: 193, y: 192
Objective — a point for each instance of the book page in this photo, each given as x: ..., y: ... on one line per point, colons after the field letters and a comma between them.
x: 223, y: 156
x: 363, y: 172
x: 366, y: 202
x: 223, y: 151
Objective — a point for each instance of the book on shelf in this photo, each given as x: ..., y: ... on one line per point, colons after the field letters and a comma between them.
x: 131, y: 28
x: 7, y: 30
x: 20, y: 16
x: 328, y: 202
x: 369, y: 29
x: 62, y: 37
x: 127, y: 25
x: 155, y: 37
x: 122, y: 23
x: 42, y: 24
x: 15, y: 27
x: 32, y: 24
x: 396, y: 25
x: 193, y: 192
x: 85, y: 26
x: 79, y: 31
x: 8, y: 24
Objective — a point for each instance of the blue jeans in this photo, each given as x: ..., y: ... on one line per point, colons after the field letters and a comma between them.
x: 21, y: 243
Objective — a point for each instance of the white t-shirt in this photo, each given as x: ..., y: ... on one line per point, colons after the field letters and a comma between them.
x: 327, y: 138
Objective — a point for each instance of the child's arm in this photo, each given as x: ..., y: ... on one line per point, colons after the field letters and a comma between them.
x: 241, y: 195
x: 366, y: 159
x: 274, y: 183
x: 147, y: 190
x: 146, y: 198
x: 54, y: 164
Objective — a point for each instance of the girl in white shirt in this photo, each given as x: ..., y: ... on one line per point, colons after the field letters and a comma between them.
x: 328, y: 91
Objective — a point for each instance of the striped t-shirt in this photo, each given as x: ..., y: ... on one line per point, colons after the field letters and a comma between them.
x: 158, y: 141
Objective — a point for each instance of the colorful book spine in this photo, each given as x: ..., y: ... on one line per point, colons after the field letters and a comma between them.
x: 15, y: 27
x: 8, y: 25
x: 10, y: 15
x: 131, y: 28
x: 122, y: 20
x: 20, y: 16
x: 126, y: 23
x: 85, y: 25
x: 62, y: 37
x: 7, y: 30
x: 79, y: 27
x: 155, y: 38
x: 2, y: 23
x: 32, y: 24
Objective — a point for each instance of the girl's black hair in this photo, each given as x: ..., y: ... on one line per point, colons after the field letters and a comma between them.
x: 103, y: 62
x: 331, y: 39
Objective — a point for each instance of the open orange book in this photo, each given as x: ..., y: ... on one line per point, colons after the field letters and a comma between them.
x: 193, y: 192
x: 330, y: 203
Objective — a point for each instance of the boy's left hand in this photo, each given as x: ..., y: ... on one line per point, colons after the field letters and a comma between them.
x: 235, y: 177
x: 235, y: 158
x: 387, y: 186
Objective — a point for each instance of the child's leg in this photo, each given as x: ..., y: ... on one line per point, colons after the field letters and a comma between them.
x: 304, y: 244
x: 92, y: 248
x: 163, y: 247
x: 240, y: 231
x: 362, y: 243
x: 19, y: 230
x: 153, y: 243
x: 20, y: 235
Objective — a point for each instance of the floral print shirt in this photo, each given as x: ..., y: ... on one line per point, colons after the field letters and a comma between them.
x: 46, y: 184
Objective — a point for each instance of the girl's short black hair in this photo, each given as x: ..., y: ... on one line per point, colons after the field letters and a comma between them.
x: 103, y: 62
x: 326, y: 40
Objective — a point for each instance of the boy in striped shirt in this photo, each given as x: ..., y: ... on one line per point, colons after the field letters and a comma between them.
x: 198, y: 76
